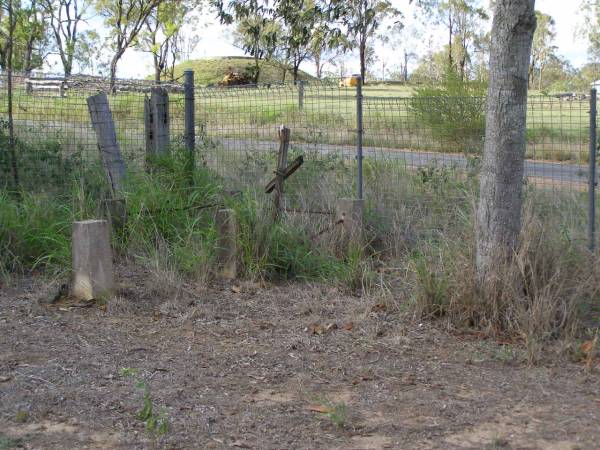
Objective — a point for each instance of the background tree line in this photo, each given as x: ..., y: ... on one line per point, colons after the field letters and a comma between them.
x: 289, y: 34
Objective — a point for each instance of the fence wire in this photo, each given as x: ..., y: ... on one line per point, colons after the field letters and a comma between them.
x: 420, y: 154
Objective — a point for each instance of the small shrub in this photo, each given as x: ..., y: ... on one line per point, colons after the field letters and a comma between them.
x: 454, y: 112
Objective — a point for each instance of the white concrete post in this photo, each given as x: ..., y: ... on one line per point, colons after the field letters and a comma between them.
x: 349, y: 212
x: 227, y: 253
x: 92, y: 260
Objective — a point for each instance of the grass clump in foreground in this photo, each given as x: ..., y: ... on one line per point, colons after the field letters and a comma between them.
x: 170, y: 226
x: 539, y: 298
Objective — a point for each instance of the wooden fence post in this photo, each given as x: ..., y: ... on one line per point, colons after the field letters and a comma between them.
x: 157, y: 122
x: 92, y: 260
x: 110, y: 153
x: 226, y: 243
x: 284, y: 144
x: 349, y: 212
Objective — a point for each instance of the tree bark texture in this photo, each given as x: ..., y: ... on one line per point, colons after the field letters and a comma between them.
x: 501, y: 179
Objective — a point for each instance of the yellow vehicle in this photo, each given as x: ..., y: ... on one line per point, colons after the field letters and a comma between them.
x: 349, y: 81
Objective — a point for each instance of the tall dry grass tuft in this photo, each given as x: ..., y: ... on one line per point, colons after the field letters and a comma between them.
x: 538, y: 295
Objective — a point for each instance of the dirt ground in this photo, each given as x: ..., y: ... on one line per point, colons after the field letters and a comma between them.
x: 264, y: 367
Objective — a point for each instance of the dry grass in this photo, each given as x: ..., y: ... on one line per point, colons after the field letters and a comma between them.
x: 536, y: 297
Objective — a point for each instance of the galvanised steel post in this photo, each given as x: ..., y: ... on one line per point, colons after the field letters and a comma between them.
x: 359, y: 136
x: 592, y: 172
x: 190, y: 126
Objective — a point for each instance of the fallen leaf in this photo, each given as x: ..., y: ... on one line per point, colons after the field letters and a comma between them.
x: 348, y: 326
x: 409, y: 379
x: 361, y: 379
x: 315, y: 328
x: 320, y: 409
x: 587, y: 347
x: 379, y: 307
x: 264, y: 325
x: 331, y: 327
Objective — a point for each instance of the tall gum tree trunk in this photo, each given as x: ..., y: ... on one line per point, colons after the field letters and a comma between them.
x: 362, y: 53
x: 501, y: 179
x: 157, y: 69
x: 113, y: 76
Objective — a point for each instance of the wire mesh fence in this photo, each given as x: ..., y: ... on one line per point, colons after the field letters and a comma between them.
x: 417, y: 151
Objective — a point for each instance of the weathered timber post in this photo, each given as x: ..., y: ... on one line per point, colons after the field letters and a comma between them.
x: 110, y: 152
x: 115, y: 210
x: 284, y: 144
x: 349, y: 213
x: 92, y: 260
x: 227, y: 253
x: 300, y: 95
x: 148, y: 128
x: 157, y: 123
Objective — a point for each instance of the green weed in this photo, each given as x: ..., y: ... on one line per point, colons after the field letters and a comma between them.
x: 6, y: 442
x: 337, y: 413
x: 156, y: 423
x: 21, y: 416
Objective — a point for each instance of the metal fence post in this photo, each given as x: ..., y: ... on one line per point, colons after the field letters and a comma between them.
x: 190, y: 133
x: 592, y: 172
x: 359, y: 136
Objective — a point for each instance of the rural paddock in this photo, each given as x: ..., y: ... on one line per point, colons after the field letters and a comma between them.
x: 252, y: 365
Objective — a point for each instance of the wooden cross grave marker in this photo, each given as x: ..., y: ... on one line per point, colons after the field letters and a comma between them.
x: 283, y: 171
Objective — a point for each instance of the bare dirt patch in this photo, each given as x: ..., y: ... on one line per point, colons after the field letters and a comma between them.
x: 243, y: 368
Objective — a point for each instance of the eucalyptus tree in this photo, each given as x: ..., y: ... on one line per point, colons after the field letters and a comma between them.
x: 498, y: 218
x: 362, y: 19
x: 463, y: 20
x: 543, y: 50
x: 257, y: 35
x: 65, y: 19
x: 124, y: 20
x: 591, y: 29
x: 161, y: 34
x: 28, y: 42
x: 286, y: 31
